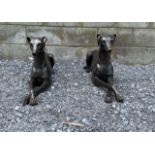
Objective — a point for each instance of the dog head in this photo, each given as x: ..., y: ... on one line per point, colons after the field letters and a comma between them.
x: 37, y: 45
x: 106, y: 42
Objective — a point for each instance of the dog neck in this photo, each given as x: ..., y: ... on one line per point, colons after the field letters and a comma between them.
x: 39, y: 60
x: 104, y: 57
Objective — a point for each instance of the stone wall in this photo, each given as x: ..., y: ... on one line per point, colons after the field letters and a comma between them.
x: 135, y: 43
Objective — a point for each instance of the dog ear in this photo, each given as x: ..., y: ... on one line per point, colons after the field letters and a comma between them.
x: 113, y: 37
x: 98, y: 38
x: 28, y: 39
x: 44, y: 40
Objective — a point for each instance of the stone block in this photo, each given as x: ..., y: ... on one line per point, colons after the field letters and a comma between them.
x: 14, y: 51
x: 68, y: 52
x: 120, y: 24
x: 12, y: 34
x: 54, y: 34
x: 73, y: 24
x: 34, y: 23
x: 134, y: 55
x: 79, y: 36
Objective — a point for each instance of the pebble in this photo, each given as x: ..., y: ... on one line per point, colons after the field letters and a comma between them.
x: 19, y: 114
x: 53, y: 127
x: 68, y: 118
x: 113, y: 105
x: 84, y: 120
x: 133, y: 85
x: 75, y: 84
x: 17, y: 108
x: 53, y: 87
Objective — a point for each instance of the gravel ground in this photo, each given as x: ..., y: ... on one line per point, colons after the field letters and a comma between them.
x: 73, y: 103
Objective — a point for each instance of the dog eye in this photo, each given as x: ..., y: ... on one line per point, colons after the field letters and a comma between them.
x: 103, y: 42
x: 39, y: 46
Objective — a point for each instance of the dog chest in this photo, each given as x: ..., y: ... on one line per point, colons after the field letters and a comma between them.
x: 104, y: 70
x: 39, y: 72
x: 36, y: 70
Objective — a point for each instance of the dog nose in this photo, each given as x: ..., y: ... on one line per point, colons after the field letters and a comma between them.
x: 108, y: 48
x: 33, y: 52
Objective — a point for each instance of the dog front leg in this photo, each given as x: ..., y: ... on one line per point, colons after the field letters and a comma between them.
x: 30, y: 99
x: 109, y: 95
x: 118, y: 96
x: 110, y: 88
x: 105, y: 84
x: 42, y: 87
x: 27, y: 98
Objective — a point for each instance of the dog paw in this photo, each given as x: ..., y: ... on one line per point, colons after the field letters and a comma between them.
x: 32, y: 102
x: 26, y: 100
x: 119, y: 98
x: 108, y: 98
x: 87, y: 69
